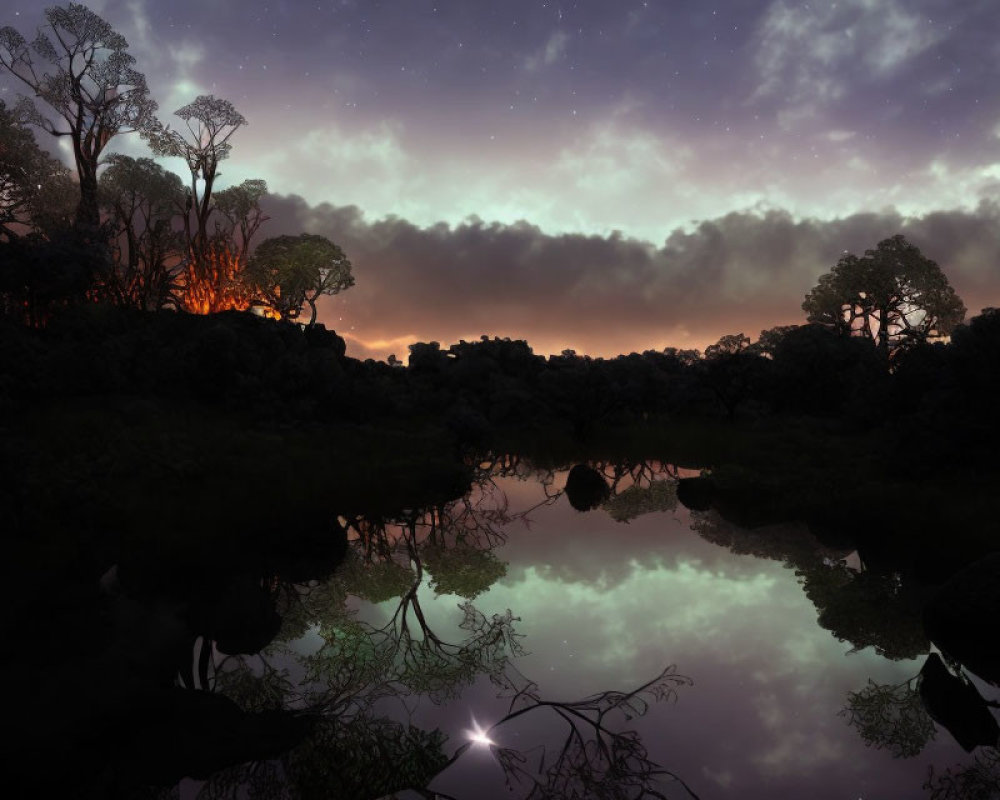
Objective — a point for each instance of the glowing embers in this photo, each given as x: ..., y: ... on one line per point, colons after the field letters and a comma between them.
x: 216, y: 282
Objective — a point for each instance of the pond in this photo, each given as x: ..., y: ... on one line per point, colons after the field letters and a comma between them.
x: 510, y: 645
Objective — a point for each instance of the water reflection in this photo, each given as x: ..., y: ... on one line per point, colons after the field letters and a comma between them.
x: 359, y: 668
x: 358, y: 673
x: 898, y: 603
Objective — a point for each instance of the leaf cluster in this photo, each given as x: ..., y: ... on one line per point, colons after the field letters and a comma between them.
x: 893, y: 294
x: 890, y: 718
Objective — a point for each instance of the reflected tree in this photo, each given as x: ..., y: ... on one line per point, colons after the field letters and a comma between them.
x: 359, y: 669
x: 867, y: 609
x: 625, y: 488
x: 635, y: 501
x: 890, y: 717
x: 790, y: 544
x: 593, y: 760
x: 463, y: 570
x: 901, y: 718
x: 980, y: 779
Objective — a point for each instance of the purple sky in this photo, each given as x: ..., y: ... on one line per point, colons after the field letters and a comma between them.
x: 641, y: 174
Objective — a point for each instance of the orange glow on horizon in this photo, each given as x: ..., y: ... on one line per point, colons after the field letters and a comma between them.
x: 380, y: 348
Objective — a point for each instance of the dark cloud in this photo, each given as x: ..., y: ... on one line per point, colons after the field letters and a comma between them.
x: 744, y: 271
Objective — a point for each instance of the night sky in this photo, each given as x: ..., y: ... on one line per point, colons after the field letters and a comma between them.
x: 603, y: 176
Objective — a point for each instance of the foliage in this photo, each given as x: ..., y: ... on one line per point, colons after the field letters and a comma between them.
x: 892, y: 295
x: 789, y: 544
x: 365, y: 756
x: 290, y: 271
x: 816, y: 371
x: 867, y: 609
x: 464, y: 570
x: 594, y: 761
x: 375, y: 582
x: 979, y: 780
x: 890, y: 718
x: 142, y: 199
x: 637, y: 500
x: 240, y: 206
x: 728, y: 345
x: 40, y: 276
x: 210, y: 123
x: 92, y: 87
x: 769, y: 340
x: 28, y: 176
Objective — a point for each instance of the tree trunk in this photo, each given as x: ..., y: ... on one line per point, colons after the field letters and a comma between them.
x: 88, y: 216
x: 883, y: 333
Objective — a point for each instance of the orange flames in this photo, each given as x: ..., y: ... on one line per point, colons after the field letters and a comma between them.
x: 215, y: 283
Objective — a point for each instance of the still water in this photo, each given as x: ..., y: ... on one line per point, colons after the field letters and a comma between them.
x: 562, y: 608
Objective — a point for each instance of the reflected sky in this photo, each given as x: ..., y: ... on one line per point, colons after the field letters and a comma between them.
x: 607, y: 605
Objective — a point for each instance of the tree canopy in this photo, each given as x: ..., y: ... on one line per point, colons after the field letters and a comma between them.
x: 291, y: 271
x: 27, y: 177
x: 142, y: 199
x: 92, y: 88
x: 892, y: 295
x: 211, y: 122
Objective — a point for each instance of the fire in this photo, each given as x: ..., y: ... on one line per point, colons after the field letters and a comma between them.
x: 213, y: 283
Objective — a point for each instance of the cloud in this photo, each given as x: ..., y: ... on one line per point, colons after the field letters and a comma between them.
x: 815, y: 54
x: 604, y: 295
x: 553, y: 50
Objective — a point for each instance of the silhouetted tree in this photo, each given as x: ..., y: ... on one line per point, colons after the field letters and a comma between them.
x: 142, y: 199
x: 728, y: 345
x: 240, y: 206
x: 92, y: 88
x: 291, y: 271
x: 28, y: 176
x: 867, y: 609
x: 890, y: 718
x: 769, y: 340
x: 40, y: 275
x: 634, y: 501
x: 211, y: 123
x: 731, y: 371
x: 892, y: 295
x: 980, y: 779
x: 815, y: 371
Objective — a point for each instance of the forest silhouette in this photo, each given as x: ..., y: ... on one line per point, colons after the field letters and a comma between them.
x: 196, y: 475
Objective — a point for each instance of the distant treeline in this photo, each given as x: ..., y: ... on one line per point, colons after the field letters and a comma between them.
x: 937, y: 400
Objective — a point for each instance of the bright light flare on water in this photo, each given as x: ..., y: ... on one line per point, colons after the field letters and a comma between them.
x: 478, y: 736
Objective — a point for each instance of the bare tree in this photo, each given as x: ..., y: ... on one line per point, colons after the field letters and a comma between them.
x: 210, y: 122
x: 91, y: 86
